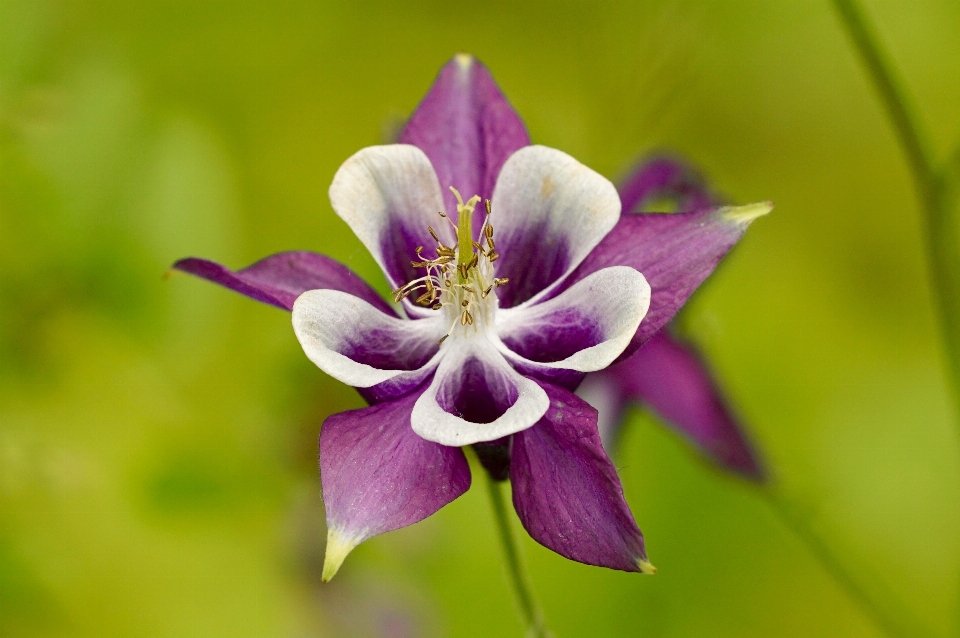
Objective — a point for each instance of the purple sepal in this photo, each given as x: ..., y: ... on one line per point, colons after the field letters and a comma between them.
x: 665, y: 177
x: 674, y: 251
x: 467, y: 128
x: 566, y: 491
x: 378, y: 475
x: 279, y: 279
x: 673, y: 380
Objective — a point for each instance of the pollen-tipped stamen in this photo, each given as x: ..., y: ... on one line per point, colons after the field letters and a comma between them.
x: 460, y: 277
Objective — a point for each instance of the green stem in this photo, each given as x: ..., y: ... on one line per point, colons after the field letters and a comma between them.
x: 941, y: 227
x: 528, y: 608
x: 935, y: 189
x: 892, y: 622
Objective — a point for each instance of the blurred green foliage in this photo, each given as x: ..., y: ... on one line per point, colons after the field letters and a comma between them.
x: 158, y: 437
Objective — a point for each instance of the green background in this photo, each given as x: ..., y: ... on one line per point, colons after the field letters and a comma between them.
x: 158, y: 437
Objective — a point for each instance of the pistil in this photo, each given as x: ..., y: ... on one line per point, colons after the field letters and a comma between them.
x: 465, y: 254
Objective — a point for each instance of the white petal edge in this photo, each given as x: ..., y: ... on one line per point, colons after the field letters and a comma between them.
x: 433, y: 423
x: 326, y: 320
x: 378, y: 183
x: 544, y: 191
x: 619, y: 298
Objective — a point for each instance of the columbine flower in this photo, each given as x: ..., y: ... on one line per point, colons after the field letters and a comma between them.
x: 514, y: 275
x: 667, y: 374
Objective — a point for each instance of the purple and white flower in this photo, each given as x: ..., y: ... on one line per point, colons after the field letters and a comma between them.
x: 514, y: 275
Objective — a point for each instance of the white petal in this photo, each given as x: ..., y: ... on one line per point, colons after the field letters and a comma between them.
x: 458, y: 372
x: 388, y: 195
x: 549, y: 212
x: 584, y: 328
x: 358, y: 344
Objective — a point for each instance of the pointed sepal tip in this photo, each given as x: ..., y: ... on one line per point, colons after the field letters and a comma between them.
x: 338, y: 547
x: 646, y: 567
x: 744, y: 215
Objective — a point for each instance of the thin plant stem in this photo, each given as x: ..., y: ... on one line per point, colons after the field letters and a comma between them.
x: 525, y: 601
x: 941, y: 227
x: 935, y: 186
x: 893, y: 623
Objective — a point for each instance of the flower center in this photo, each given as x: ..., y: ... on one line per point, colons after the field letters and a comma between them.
x: 459, y: 280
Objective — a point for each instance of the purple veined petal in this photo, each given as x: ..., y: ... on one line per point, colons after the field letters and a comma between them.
x: 279, y: 279
x: 660, y: 177
x: 389, y: 196
x: 476, y: 396
x: 549, y: 212
x: 583, y: 329
x: 674, y: 251
x: 567, y: 493
x: 671, y: 379
x: 468, y: 130
x: 378, y: 475
x: 357, y: 344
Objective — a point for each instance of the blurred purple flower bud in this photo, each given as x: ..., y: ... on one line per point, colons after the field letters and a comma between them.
x: 667, y: 375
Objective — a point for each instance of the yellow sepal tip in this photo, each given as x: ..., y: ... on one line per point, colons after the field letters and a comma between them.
x: 646, y: 567
x: 338, y: 546
x: 745, y: 214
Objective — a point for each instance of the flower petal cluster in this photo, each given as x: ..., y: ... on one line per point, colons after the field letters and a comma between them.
x: 474, y: 363
x: 504, y: 302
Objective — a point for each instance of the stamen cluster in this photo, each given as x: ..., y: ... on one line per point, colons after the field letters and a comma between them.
x: 460, y: 278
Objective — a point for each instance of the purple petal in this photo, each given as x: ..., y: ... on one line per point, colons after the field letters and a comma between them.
x: 279, y: 279
x: 389, y: 196
x: 583, y: 329
x: 357, y: 344
x: 567, y: 492
x: 660, y: 177
x: 378, y: 475
x: 675, y: 252
x: 673, y: 380
x: 476, y: 396
x: 549, y: 211
x: 467, y: 129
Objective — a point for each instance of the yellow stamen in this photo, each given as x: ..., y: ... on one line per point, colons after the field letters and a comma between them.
x: 460, y: 277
